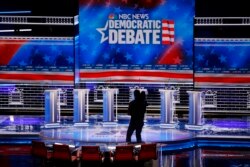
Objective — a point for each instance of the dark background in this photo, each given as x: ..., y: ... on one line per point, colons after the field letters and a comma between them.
x: 42, y: 7
x: 222, y: 8
x: 203, y: 8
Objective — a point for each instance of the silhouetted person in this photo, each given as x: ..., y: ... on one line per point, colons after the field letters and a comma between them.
x: 137, y: 110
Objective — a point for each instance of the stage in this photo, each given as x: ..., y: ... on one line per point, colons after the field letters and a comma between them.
x: 23, y: 129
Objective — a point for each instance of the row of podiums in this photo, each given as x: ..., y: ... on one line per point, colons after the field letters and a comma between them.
x: 81, y: 107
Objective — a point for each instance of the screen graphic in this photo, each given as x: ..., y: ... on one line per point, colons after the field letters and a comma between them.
x: 145, y: 41
x: 36, y: 59
x: 222, y: 61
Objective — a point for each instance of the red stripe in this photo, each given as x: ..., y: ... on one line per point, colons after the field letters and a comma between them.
x: 223, y: 79
x: 102, y: 74
x: 129, y: 80
x: 171, y: 35
x: 36, y: 77
x: 166, y: 42
x: 171, y: 21
x: 168, y: 28
x: 165, y: 35
x: 164, y: 28
x: 164, y: 21
x: 171, y: 29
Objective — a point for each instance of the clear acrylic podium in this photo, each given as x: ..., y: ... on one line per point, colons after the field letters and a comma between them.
x: 81, y: 107
x: 195, y: 121
x: 109, y: 98
x: 167, y: 108
x: 52, y: 108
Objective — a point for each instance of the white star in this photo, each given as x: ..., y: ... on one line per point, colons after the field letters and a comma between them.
x: 101, y: 30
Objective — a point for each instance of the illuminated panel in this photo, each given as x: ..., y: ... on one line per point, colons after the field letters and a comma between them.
x: 36, y: 59
x: 143, y: 41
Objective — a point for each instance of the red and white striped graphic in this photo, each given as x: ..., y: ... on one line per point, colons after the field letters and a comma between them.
x: 36, y: 77
x: 212, y: 79
x: 167, y: 32
x: 136, y: 75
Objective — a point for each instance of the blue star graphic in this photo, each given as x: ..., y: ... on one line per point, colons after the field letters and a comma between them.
x: 53, y: 48
x: 37, y: 51
x: 22, y: 63
x: 136, y: 47
x: 118, y: 50
x: 212, y: 51
x: 142, y: 10
x: 128, y: 56
x: 70, y: 60
x: 234, y: 65
x: 118, y: 10
x: 106, y: 56
x: 46, y: 58
x: 174, y: 8
x: 112, y: 46
x: 83, y: 47
x: 200, y: 57
x: 222, y: 58
x: 242, y: 53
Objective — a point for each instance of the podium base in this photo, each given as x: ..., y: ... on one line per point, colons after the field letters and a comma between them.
x: 109, y: 124
x: 81, y: 124
x: 194, y: 127
x: 164, y: 125
x: 52, y: 125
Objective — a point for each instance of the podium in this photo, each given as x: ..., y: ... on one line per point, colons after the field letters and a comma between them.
x: 167, y: 108
x: 81, y: 107
x: 195, y: 111
x: 109, y: 97
x: 52, y: 108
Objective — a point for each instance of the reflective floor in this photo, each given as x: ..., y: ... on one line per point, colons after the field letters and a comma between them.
x: 96, y: 131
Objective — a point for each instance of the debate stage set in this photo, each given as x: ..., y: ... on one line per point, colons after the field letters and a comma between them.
x: 69, y: 68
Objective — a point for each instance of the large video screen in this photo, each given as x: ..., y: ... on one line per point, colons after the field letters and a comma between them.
x: 135, y: 41
x: 36, y: 59
x: 222, y: 61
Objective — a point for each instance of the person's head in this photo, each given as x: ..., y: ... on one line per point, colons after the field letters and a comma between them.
x: 143, y: 95
x: 136, y: 94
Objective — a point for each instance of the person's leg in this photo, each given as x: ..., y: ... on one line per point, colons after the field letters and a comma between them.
x: 138, y: 133
x: 129, y: 132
